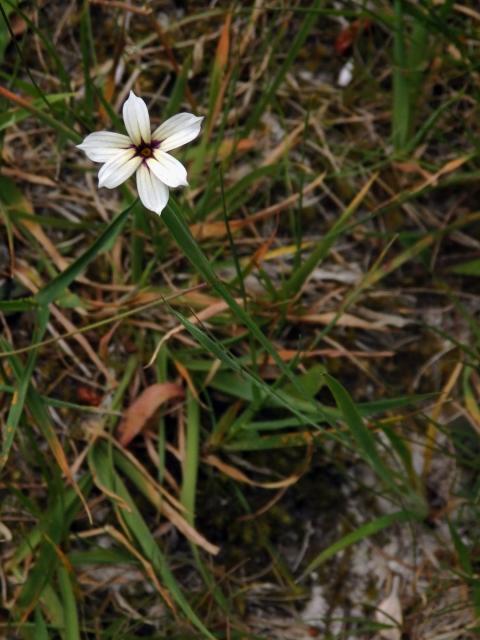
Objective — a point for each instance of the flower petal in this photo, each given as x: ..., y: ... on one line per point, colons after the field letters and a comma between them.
x: 153, y: 193
x: 136, y: 118
x: 178, y: 130
x: 102, y: 146
x: 167, y: 169
x: 118, y: 169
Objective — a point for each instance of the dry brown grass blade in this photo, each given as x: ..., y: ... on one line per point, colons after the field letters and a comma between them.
x: 158, y: 488
x: 122, y: 540
x: 108, y: 93
x: 288, y: 202
x: 32, y: 178
x: 468, y: 11
x: 433, y: 178
x: 188, y: 531
x: 44, y: 241
x: 220, y: 64
x: 114, y: 497
x: 266, y: 507
x: 223, y: 47
x: 61, y: 459
x: 343, y: 320
x: 230, y: 145
x: 209, y: 230
x: 20, y: 272
x: 262, y: 252
x: 185, y: 375
x: 436, y: 412
x: 239, y: 476
x: 249, y: 33
x: 144, y: 407
x: 197, y: 299
x: 36, y: 230
x: 291, y: 354
x: 13, y: 97
x: 166, y: 504
x: 287, y: 143
x: 124, y: 6
x: 83, y: 342
x: 165, y: 40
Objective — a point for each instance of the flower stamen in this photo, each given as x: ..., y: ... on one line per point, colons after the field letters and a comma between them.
x: 145, y: 150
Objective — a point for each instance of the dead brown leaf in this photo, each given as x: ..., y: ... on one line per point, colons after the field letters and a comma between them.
x: 144, y: 407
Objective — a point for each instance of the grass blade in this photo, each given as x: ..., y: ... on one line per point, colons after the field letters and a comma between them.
x: 300, y: 275
x: 401, y: 91
x: 20, y: 395
x: 367, y: 445
x: 190, y: 463
x: 130, y: 515
x: 54, y: 289
x: 40, y: 627
x: 173, y: 220
x: 365, y: 531
x: 72, y: 629
x: 217, y: 349
x: 300, y: 37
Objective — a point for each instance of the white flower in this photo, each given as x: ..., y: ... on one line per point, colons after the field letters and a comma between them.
x: 144, y: 152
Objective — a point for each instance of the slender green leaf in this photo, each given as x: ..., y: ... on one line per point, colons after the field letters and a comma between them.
x: 72, y: 629
x: 13, y: 306
x: 7, y: 8
x: 401, y: 92
x: 30, y: 542
x: 365, y: 531
x: 361, y: 433
x: 469, y: 268
x: 102, y: 469
x: 297, y: 43
x: 16, y: 115
x: 190, y: 462
x: 55, y: 289
x: 173, y: 220
x: 40, y: 628
x: 178, y: 92
x: 296, y: 281
x: 216, y: 348
x: 23, y: 382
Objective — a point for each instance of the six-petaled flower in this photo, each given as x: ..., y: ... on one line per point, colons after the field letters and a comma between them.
x: 143, y: 152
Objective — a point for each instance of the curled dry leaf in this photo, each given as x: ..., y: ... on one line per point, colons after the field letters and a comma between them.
x: 236, y: 474
x: 144, y: 407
